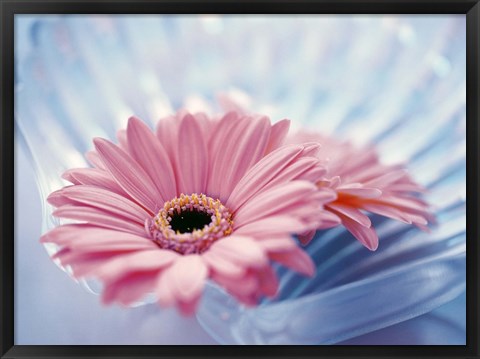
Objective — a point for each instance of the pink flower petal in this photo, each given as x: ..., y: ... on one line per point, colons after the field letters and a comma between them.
x: 206, y: 125
x: 167, y: 134
x: 223, y: 127
x: 304, y: 168
x: 360, y: 192
x: 276, y: 200
x: 278, y: 135
x: 88, y: 235
x: 121, y: 242
x: 143, y: 261
x: 85, y: 264
x: 187, y: 277
x: 219, y: 264
x: 129, y: 175
x: 189, y: 307
x: 406, y: 187
x: 130, y: 288
x: 57, y: 198
x: 106, y: 200
x: 404, y: 202
x: 295, y: 259
x: 271, y: 226
x: 73, y: 256
x: 64, y: 234
x: 249, y: 146
x: 395, y: 213
x: 241, y: 250
x: 387, y: 211
x: 98, y: 217
x: 351, y: 213
x: 238, y: 150
x: 306, y: 237
x: 326, y: 195
x: 277, y: 244
x: 418, y: 220
x: 355, y: 165
x: 268, y: 281
x: 261, y: 174
x: 248, y: 300
x: 145, y: 148
x: 328, y: 220
x: 94, y: 177
x: 67, y: 175
x: 333, y: 182
x: 387, y: 178
x: 95, y: 160
x: 367, y: 236
x: 245, y: 286
x: 192, y: 156
x: 164, y: 291
x: 311, y: 149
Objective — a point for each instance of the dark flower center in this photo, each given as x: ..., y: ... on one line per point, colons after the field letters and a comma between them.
x: 188, y: 221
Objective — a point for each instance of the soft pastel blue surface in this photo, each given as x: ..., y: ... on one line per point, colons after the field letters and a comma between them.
x: 398, y: 82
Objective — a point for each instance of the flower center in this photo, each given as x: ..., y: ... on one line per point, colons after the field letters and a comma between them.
x: 190, y: 224
x: 188, y: 221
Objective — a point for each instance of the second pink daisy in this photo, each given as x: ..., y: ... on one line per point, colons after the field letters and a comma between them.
x: 364, y: 185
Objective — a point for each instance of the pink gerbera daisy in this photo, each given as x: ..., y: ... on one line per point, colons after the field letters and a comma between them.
x: 364, y: 184
x: 201, y: 199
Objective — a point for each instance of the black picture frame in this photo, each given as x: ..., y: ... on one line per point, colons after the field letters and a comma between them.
x: 9, y: 8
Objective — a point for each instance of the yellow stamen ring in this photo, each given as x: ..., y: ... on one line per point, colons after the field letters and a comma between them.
x: 213, y: 218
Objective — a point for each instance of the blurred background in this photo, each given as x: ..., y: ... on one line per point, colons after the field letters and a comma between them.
x: 395, y: 81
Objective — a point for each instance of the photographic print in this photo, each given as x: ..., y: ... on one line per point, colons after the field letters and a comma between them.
x: 240, y: 179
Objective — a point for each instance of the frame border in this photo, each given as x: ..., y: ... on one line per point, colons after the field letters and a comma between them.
x: 8, y: 9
